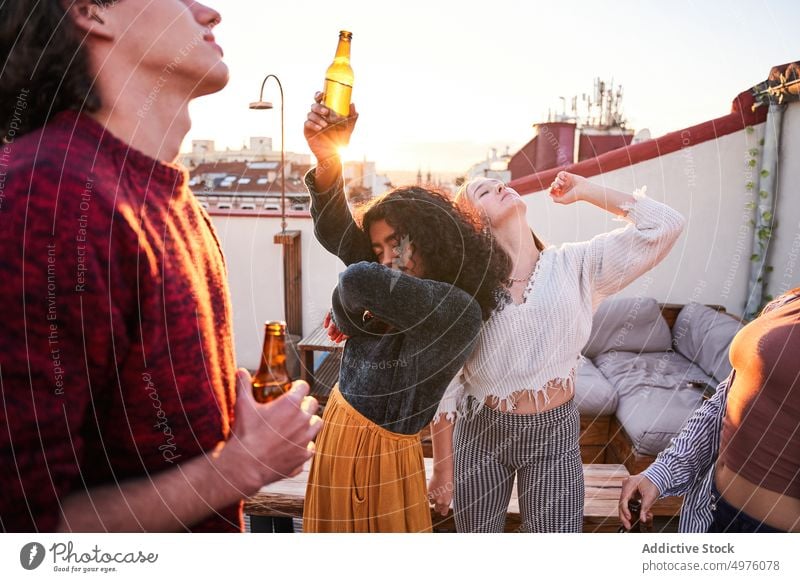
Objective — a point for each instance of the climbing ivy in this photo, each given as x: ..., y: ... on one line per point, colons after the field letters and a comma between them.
x: 764, y: 232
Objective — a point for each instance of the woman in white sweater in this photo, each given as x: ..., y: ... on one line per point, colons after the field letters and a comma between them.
x: 510, y: 411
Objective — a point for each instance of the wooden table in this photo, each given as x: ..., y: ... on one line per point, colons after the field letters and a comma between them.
x: 328, y: 372
x: 603, y: 484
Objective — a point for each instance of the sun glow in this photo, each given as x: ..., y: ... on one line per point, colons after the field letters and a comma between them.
x: 345, y: 153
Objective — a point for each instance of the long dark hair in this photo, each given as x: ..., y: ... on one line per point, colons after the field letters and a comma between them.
x: 453, y: 246
x: 44, y: 68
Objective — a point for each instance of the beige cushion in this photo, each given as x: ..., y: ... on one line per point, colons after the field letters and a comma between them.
x: 704, y: 335
x: 594, y: 394
x: 631, y: 324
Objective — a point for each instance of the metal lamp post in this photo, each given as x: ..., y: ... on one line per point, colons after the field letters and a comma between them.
x: 261, y: 104
x: 290, y: 240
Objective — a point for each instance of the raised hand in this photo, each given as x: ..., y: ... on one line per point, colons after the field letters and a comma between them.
x: 567, y: 188
x: 325, y: 131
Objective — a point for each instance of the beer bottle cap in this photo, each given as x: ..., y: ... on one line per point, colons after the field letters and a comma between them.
x: 275, y: 327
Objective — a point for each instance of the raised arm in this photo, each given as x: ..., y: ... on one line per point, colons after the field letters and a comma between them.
x: 334, y: 226
x: 614, y: 259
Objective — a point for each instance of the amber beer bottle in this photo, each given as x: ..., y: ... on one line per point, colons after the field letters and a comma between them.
x: 272, y: 380
x: 637, y: 526
x: 339, y: 77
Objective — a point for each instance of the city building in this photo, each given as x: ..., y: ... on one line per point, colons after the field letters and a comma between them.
x: 494, y: 166
x: 249, y: 186
x: 259, y: 150
x: 249, y: 179
x: 568, y: 138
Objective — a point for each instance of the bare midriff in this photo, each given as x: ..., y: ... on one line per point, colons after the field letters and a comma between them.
x: 770, y: 507
x: 533, y: 401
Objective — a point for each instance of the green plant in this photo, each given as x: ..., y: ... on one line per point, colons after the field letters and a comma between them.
x: 764, y: 221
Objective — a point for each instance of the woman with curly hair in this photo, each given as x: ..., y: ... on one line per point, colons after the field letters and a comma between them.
x: 411, y: 318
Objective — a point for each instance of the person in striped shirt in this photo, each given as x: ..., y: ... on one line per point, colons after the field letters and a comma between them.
x: 737, y: 459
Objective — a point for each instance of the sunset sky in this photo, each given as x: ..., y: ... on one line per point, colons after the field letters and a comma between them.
x: 437, y: 83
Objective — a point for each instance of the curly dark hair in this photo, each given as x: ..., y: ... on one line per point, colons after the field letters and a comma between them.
x: 452, y: 245
x: 44, y: 69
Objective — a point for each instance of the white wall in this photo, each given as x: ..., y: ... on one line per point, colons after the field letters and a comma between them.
x: 710, y: 262
x: 255, y: 275
x: 706, y: 183
x: 784, y: 254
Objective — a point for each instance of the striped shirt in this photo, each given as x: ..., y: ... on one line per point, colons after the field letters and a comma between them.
x: 686, y: 467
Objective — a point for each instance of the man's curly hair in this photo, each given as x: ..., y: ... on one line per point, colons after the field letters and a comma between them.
x: 41, y: 58
x: 453, y: 246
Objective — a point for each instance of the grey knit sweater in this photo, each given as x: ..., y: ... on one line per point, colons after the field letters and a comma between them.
x: 417, y: 333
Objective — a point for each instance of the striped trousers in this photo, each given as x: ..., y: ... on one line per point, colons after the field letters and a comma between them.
x: 541, y: 450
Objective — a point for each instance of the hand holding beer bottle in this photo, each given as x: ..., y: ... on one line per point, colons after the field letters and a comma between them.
x: 326, y: 132
x: 637, y: 525
x: 274, y: 441
x: 643, y: 492
x: 272, y: 379
x: 332, y: 118
x: 268, y: 442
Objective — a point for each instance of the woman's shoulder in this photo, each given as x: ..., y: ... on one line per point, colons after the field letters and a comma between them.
x: 566, y: 255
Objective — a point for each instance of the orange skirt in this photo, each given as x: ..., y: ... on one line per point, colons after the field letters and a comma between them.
x: 364, y: 478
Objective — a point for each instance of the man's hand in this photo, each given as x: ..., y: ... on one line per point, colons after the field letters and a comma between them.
x: 633, y: 487
x: 271, y: 441
x: 334, y: 334
x: 268, y: 442
x: 326, y: 132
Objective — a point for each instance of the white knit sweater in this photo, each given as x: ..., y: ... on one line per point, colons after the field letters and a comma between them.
x: 538, y: 343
